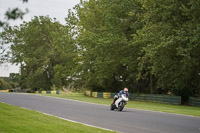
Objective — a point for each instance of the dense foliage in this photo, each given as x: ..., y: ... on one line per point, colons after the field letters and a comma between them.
x: 149, y: 46
x: 4, y: 85
x: 11, y: 82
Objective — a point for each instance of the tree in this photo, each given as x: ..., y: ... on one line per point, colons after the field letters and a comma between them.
x: 40, y: 46
x: 105, y: 29
x: 11, y: 14
x: 149, y: 46
x: 170, y: 55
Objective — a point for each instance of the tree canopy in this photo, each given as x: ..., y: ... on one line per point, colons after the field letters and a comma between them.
x: 149, y: 46
x: 43, y: 49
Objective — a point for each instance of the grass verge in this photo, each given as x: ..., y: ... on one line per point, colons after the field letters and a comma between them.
x: 14, y: 119
x: 185, y: 110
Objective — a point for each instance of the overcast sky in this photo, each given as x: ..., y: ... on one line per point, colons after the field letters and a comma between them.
x: 54, y: 8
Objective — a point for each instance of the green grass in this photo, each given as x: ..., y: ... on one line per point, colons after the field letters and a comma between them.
x: 185, y: 110
x: 18, y: 120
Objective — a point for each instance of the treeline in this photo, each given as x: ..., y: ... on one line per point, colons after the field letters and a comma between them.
x: 149, y: 46
x: 11, y: 82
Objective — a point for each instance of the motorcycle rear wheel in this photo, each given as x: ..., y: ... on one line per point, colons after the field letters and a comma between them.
x: 112, y: 107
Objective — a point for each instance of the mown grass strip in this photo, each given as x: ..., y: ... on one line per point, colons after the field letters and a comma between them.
x: 184, y: 110
x: 18, y: 120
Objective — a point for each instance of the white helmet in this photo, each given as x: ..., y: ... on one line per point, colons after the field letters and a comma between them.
x: 125, y: 89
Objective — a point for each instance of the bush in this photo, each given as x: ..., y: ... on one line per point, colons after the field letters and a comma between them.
x: 4, y: 85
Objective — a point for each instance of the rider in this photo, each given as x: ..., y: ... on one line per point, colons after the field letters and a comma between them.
x: 125, y: 91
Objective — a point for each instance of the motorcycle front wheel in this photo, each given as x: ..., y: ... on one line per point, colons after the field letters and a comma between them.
x: 121, y: 107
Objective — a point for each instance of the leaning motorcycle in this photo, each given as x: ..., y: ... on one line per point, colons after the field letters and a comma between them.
x: 119, y: 103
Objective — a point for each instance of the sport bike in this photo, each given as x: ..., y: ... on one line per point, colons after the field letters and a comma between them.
x: 119, y: 103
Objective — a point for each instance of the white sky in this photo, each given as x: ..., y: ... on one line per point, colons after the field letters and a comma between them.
x: 54, y: 8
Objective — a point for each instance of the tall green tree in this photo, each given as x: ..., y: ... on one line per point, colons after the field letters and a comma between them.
x: 105, y: 29
x: 170, y: 52
x: 41, y: 47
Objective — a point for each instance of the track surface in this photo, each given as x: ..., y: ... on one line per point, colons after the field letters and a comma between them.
x: 127, y: 121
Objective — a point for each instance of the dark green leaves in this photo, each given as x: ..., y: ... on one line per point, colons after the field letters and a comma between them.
x: 149, y: 46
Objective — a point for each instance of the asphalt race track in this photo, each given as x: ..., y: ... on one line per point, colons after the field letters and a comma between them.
x: 127, y: 121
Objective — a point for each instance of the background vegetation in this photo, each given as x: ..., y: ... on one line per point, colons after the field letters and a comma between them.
x: 149, y: 46
x: 11, y: 82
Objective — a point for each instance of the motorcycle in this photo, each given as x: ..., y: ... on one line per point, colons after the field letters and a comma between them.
x: 119, y: 103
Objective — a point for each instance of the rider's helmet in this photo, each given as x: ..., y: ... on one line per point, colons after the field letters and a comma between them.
x: 125, y: 90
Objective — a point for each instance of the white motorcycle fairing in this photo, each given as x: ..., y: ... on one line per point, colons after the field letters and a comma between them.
x: 122, y: 98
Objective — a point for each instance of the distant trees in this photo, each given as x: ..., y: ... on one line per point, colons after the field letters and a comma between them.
x: 4, y: 85
x: 10, y: 82
x: 149, y: 46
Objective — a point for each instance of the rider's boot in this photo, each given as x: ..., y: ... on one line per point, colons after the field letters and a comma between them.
x: 114, y: 101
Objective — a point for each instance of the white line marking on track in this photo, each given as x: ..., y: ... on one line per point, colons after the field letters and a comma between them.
x: 75, y: 121
x: 64, y: 118
x: 126, y: 107
x: 108, y: 105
